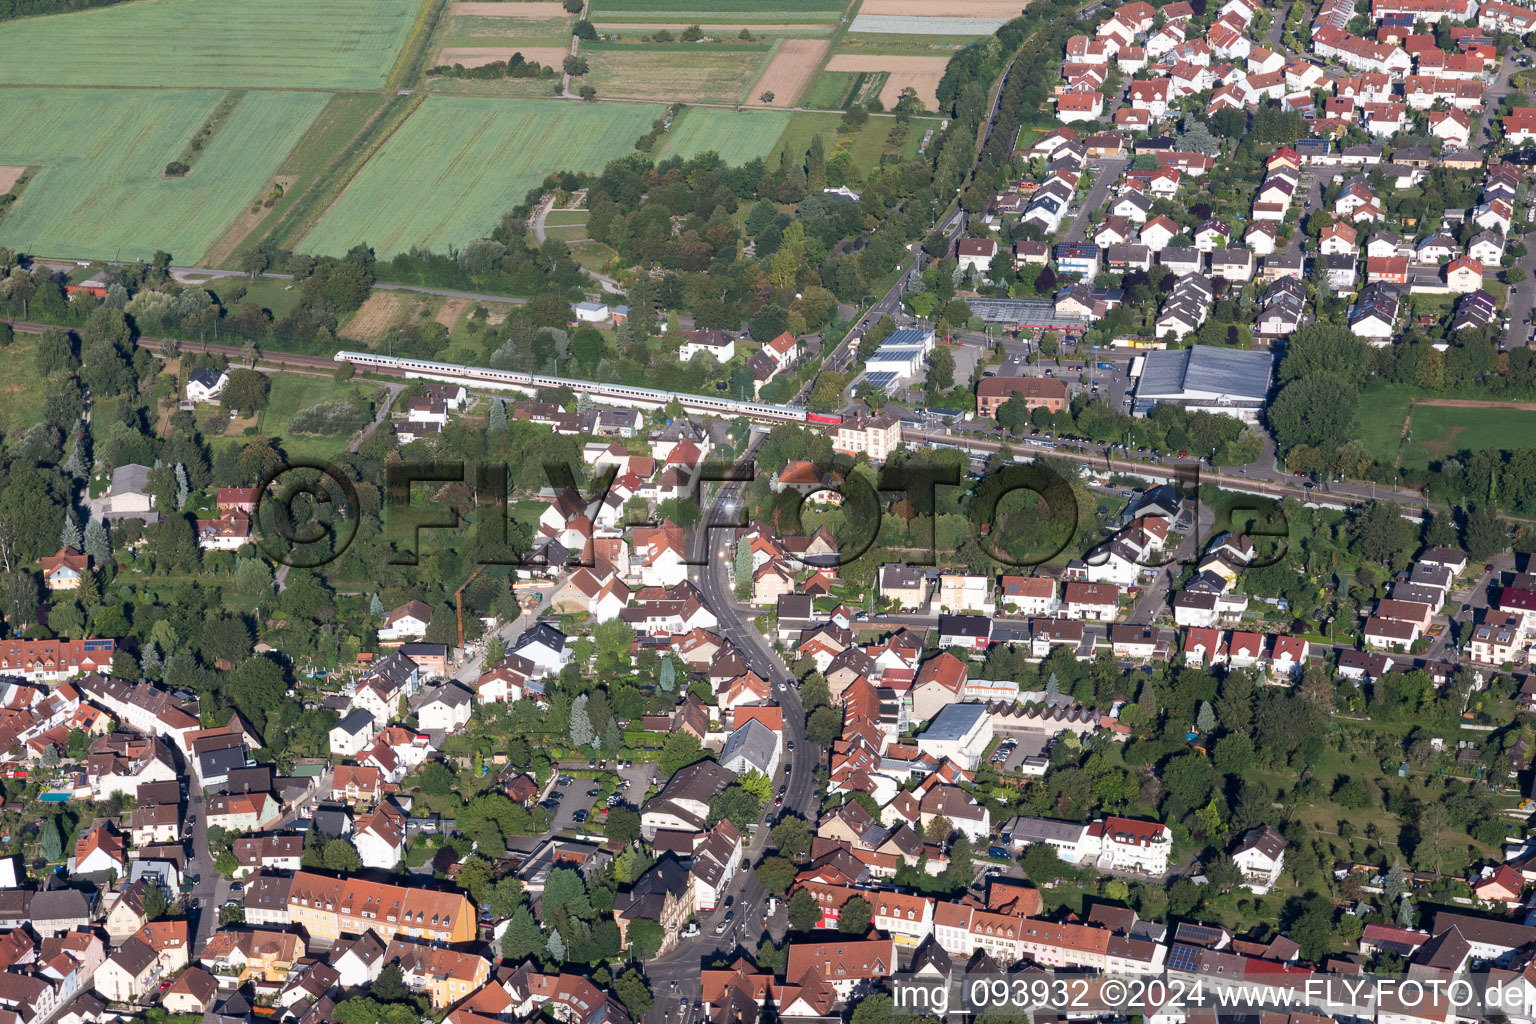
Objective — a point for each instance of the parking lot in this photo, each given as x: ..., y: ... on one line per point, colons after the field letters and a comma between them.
x: 1016, y: 747
x: 578, y: 798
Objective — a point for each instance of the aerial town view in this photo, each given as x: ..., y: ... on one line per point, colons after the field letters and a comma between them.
x: 767, y: 511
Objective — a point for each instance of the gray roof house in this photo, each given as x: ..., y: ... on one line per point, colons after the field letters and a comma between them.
x: 753, y: 747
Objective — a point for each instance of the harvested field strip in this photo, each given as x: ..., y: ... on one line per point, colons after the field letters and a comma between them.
x: 376, y: 316
x: 479, y: 56
x: 101, y: 192
x: 715, y: 10
x: 487, y: 155
x: 921, y: 26
x: 1004, y: 9
x: 689, y: 75
x: 225, y: 44
x: 920, y: 73
x: 532, y: 9
x: 737, y: 136
x: 733, y: 29
x: 9, y: 176
x: 451, y: 310
x: 311, y: 206
x: 793, y: 66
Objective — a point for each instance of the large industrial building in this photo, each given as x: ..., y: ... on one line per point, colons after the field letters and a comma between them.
x: 1206, y: 379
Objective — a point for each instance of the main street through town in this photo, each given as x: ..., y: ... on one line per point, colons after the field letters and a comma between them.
x: 674, y: 976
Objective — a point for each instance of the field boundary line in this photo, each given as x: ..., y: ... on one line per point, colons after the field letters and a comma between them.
x: 217, y: 119
x: 413, y: 54
x: 226, y: 248
x: 333, y: 186
x: 277, y: 228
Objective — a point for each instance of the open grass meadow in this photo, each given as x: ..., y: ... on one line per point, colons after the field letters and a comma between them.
x: 293, y: 393
x: 1438, y: 431
x: 865, y: 147
x: 738, y: 136
x: 100, y: 190
x: 670, y: 73
x: 21, y: 395
x: 281, y: 44
x: 465, y: 162
x: 1381, y: 419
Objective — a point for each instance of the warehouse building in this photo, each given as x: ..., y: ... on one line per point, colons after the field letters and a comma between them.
x: 1206, y: 379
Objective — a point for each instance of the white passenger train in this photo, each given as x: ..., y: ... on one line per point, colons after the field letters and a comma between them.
x: 598, y: 391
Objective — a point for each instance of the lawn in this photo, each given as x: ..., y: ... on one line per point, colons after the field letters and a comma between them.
x: 484, y: 157
x: 273, y: 294
x: 100, y: 191
x: 715, y: 10
x: 567, y: 225
x: 673, y: 73
x: 737, y: 136
x: 320, y: 44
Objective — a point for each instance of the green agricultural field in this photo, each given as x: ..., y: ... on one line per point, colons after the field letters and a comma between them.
x: 715, y: 10
x: 285, y: 44
x: 737, y: 136
x: 100, y: 190
x: 465, y: 162
x: 338, y: 124
x: 833, y: 90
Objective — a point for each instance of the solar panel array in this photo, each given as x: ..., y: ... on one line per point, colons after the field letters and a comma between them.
x: 1184, y: 958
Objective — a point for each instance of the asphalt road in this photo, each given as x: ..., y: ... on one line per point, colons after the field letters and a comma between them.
x: 1098, y: 194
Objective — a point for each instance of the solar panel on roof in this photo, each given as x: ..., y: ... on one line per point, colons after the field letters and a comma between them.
x: 1183, y: 958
